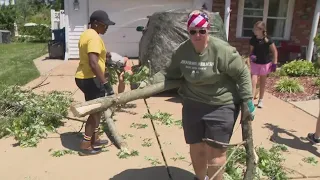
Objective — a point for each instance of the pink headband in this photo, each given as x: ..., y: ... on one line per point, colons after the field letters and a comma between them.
x: 198, y: 20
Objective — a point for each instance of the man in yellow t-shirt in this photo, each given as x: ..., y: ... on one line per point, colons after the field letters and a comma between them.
x: 90, y: 76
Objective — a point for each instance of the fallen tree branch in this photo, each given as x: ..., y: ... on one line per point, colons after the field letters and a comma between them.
x: 103, y: 103
x: 112, y: 131
x: 225, y: 145
x: 251, y: 158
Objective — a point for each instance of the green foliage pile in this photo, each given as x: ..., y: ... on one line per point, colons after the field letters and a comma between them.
x: 269, y: 165
x: 28, y: 117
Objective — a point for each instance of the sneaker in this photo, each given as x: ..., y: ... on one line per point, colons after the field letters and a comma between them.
x: 260, y: 103
x: 311, y: 137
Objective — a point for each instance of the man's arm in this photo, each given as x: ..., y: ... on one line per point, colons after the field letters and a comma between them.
x: 236, y: 68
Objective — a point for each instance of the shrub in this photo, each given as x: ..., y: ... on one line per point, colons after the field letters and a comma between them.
x: 289, y: 85
x: 300, y: 67
x: 317, y: 82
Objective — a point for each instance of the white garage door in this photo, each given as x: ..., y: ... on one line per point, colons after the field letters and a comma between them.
x: 128, y: 14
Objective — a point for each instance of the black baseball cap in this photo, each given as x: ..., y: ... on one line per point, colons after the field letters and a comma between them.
x: 101, y: 16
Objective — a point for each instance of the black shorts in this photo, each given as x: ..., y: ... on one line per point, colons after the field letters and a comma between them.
x: 92, y: 88
x: 201, y: 120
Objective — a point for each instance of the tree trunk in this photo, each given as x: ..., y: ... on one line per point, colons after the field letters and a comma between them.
x: 103, y: 103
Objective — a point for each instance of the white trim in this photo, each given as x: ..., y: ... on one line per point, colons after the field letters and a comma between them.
x: 66, y: 23
x: 288, y: 24
x: 313, y: 31
x: 227, y: 10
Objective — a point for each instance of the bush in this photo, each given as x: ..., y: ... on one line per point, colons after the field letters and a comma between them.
x: 300, y: 67
x: 317, y: 82
x: 39, y: 33
x: 7, y: 17
x: 288, y: 85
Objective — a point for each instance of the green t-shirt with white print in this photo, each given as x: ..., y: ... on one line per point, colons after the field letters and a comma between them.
x: 217, y: 76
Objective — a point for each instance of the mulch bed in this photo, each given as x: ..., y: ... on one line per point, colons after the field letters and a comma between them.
x: 310, y: 90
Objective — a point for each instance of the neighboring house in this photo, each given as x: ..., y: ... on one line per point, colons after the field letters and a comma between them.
x: 288, y: 21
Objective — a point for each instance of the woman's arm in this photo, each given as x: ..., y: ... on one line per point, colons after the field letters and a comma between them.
x: 251, y: 50
x: 274, y: 51
x: 94, y: 49
x: 93, y: 63
x: 236, y: 68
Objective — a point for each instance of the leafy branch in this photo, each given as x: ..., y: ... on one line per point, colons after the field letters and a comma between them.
x: 28, y: 116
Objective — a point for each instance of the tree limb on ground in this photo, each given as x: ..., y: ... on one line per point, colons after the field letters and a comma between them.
x: 103, y: 103
x: 112, y: 131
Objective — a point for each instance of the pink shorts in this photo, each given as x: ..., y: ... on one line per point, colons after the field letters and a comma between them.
x: 260, y: 69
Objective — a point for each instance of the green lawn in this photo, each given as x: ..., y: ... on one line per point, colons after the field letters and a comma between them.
x: 16, y: 62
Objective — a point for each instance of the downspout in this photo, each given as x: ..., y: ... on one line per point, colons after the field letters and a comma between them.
x: 313, y: 30
x: 227, y: 11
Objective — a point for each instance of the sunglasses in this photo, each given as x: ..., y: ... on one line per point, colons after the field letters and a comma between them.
x: 201, y: 31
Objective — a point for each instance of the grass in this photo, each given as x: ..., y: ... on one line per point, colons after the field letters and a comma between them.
x: 16, y: 59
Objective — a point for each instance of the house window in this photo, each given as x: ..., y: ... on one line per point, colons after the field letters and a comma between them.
x: 276, y: 13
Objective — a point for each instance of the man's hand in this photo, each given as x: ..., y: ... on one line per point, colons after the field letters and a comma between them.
x: 247, y: 110
x: 109, y: 89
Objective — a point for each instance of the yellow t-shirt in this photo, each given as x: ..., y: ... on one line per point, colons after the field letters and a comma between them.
x: 90, y: 41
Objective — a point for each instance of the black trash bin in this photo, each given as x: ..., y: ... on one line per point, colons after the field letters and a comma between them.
x: 56, y: 49
x: 5, y: 36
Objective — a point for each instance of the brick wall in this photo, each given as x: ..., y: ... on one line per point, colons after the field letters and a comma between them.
x: 300, y: 30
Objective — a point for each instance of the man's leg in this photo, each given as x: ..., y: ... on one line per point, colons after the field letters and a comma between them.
x: 219, y: 126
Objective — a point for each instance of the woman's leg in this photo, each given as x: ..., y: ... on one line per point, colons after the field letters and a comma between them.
x: 193, y: 128
x: 219, y: 127
x: 199, y: 159
x: 315, y: 137
x: 216, y: 157
x: 254, y: 79
x: 263, y: 80
x: 265, y: 70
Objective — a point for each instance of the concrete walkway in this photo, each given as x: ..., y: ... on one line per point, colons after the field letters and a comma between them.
x: 311, y: 107
x: 278, y: 122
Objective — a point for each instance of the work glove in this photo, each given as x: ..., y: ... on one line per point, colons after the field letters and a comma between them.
x: 108, y: 88
x: 273, y: 67
x: 247, y: 110
x: 253, y: 58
